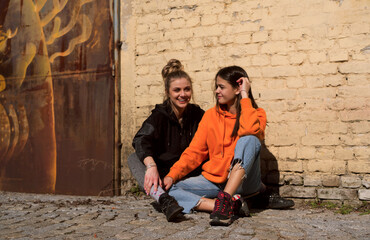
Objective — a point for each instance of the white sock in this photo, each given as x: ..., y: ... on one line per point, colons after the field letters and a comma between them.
x: 156, y: 194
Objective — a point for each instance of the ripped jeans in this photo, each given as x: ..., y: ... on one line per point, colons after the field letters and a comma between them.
x: 189, y: 191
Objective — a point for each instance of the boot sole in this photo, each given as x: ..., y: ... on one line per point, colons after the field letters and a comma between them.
x: 280, y: 206
x: 218, y: 222
x: 222, y: 222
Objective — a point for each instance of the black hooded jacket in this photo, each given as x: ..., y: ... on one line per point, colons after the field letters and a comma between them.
x: 162, y: 137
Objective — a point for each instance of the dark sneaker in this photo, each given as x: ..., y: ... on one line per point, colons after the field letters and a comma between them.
x: 278, y: 202
x: 222, y: 214
x: 169, y: 207
x: 271, y: 200
x: 240, y: 206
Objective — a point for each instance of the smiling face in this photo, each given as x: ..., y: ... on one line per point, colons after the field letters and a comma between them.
x: 179, y: 94
x: 226, y: 94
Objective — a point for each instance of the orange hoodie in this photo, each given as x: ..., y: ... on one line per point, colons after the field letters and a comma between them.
x: 213, y: 141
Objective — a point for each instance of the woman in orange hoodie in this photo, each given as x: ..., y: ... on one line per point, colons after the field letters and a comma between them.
x: 228, y: 136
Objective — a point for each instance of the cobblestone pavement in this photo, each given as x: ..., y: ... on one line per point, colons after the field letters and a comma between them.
x: 35, y: 216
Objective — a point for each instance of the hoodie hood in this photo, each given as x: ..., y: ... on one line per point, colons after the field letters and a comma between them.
x: 224, y: 113
x: 166, y: 110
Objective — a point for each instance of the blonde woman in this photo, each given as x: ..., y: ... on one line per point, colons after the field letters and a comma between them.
x: 164, y: 135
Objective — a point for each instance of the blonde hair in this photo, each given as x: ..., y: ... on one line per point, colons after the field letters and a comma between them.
x: 173, y: 70
x: 172, y: 66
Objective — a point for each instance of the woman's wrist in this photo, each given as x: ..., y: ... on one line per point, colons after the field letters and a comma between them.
x: 149, y: 162
x: 150, y: 165
x: 244, y: 93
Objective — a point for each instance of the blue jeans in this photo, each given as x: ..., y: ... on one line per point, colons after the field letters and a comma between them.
x: 189, y: 191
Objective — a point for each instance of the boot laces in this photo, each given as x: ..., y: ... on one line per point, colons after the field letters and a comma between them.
x: 222, y: 205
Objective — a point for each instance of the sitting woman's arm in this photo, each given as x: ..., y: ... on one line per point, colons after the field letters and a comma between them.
x: 143, y: 143
x: 151, y: 175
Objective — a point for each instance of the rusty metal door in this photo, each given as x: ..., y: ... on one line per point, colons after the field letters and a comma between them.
x: 57, y: 96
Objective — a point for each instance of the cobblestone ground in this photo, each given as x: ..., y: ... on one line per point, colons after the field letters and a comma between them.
x: 34, y: 216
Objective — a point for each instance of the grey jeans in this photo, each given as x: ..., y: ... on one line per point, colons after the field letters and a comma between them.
x: 138, y: 169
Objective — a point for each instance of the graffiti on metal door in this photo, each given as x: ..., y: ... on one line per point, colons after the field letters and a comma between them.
x: 56, y: 93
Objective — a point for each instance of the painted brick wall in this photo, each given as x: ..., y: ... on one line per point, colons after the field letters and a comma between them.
x: 309, y: 63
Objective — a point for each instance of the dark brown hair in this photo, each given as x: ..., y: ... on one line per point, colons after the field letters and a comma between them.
x: 231, y: 74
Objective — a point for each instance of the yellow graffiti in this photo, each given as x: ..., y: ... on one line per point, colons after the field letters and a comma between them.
x: 10, y: 34
x: 2, y: 43
x: 5, y: 134
x: 22, y: 63
x: 4, y: 38
x: 39, y: 5
x: 57, y: 8
x: 23, y: 128
x: 94, y: 41
x: 56, y: 33
x: 2, y: 83
x: 14, y: 130
x: 86, y: 31
x: 85, y: 1
x: 37, y: 34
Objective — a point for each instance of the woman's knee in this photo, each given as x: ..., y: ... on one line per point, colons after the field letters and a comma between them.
x: 249, y: 140
x: 247, y: 150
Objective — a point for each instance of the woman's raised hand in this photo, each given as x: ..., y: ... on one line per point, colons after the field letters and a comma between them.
x: 244, y: 85
x: 167, y: 181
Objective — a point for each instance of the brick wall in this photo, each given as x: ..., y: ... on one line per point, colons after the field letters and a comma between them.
x: 309, y: 63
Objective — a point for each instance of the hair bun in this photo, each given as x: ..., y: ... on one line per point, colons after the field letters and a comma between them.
x: 173, y: 65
